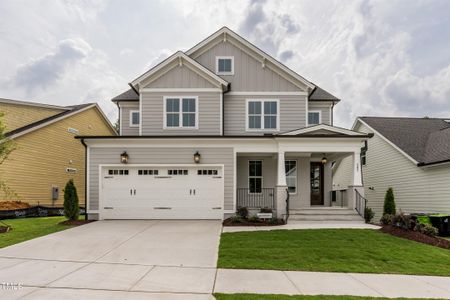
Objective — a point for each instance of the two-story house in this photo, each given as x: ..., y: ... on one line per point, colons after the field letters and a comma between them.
x: 220, y: 126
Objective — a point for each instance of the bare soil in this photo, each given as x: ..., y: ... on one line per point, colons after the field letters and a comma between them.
x: 245, y: 222
x: 76, y: 222
x: 11, y: 205
x: 416, y: 236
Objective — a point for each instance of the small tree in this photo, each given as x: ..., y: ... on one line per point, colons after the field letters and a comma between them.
x: 6, y: 147
x: 389, y: 202
x: 71, y: 209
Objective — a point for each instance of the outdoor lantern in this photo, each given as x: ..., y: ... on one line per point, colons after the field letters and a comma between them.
x: 124, y: 157
x: 324, y: 160
x: 197, y: 157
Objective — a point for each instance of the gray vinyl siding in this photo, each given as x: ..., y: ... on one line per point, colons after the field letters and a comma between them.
x: 125, y: 118
x: 180, y: 77
x: 105, y: 155
x: 416, y: 190
x: 324, y: 108
x: 249, y: 74
x: 342, y: 175
x: 292, y: 113
x: 208, y: 114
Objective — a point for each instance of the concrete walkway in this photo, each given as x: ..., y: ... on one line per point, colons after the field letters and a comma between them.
x: 304, y: 225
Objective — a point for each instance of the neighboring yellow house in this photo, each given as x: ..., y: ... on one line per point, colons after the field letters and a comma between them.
x: 47, y: 153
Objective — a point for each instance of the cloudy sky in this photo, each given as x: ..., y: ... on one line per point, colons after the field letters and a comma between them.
x: 380, y: 57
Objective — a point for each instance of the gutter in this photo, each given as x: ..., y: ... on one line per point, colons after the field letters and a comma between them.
x: 199, y: 137
x: 422, y: 164
x: 85, y: 178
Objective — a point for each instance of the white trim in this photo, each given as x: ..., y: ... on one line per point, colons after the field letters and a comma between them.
x: 221, y: 113
x: 140, y: 117
x: 307, y: 109
x: 35, y: 104
x: 386, y: 140
x: 262, y: 129
x: 180, y: 90
x: 131, y: 118
x: 88, y: 176
x: 226, y: 31
x: 324, y: 127
x: 180, y: 113
x: 232, y: 65
x: 121, y: 120
x: 234, y: 179
x: 320, y: 117
x: 257, y: 93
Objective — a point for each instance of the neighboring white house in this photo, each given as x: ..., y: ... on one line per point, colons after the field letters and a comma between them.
x: 220, y: 126
x: 411, y: 155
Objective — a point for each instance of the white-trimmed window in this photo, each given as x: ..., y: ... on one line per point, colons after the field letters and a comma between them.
x: 134, y: 118
x: 255, y: 176
x: 225, y: 65
x: 180, y: 112
x: 314, y: 117
x: 290, y: 167
x: 263, y: 115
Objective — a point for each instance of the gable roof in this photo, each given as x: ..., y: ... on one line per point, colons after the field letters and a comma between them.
x: 181, y: 57
x: 29, y: 103
x: 319, y: 94
x: 425, y: 141
x: 129, y: 95
x: 324, y: 129
x: 68, y: 111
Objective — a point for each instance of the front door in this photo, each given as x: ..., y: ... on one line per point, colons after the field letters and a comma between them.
x: 316, y: 177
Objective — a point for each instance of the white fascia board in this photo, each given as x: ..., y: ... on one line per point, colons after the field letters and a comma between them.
x: 180, y: 90
x: 324, y: 127
x: 387, y: 141
x: 34, y: 104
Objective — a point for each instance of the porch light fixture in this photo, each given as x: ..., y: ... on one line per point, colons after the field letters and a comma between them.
x: 124, y: 157
x: 324, y: 160
x: 197, y: 157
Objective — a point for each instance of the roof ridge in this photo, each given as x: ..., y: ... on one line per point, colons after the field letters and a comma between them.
x: 31, y: 103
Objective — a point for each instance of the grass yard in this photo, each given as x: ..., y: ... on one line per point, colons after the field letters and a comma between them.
x: 331, y: 250
x: 284, y: 297
x: 30, y: 228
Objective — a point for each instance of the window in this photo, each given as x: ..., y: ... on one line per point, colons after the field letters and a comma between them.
x: 363, y: 154
x: 148, y: 172
x: 180, y: 112
x: 262, y: 115
x: 177, y: 172
x: 255, y: 176
x: 134, y: 118
x: 291, y: 175
x: 224, y: 65
x: 207, y: 172
x: 314, y: 117
x: 118, y: 172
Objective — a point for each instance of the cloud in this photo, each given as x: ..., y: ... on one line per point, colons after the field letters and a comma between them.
x: 45, y: 71
x: 286, y: 55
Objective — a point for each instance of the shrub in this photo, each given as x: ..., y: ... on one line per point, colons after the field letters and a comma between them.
x: 368, y: 214
x: 254, y: 219
x: 402, y: 220
x: 389, y: 202
x: 236, y: 219
x: 386, y: 219
x: 426, y: 229
x: 242, y: 212
x: 71, y: 208
x: 274, y: 221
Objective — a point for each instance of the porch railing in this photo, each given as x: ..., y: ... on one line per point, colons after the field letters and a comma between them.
x: 265, y: 199
x: 360, y: 203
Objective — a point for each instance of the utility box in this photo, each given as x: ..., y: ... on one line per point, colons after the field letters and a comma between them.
x: 55, y: 193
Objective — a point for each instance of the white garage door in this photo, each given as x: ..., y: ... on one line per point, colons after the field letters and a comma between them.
x: 155, y: 192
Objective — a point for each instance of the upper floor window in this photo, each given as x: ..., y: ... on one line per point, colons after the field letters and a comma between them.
x: 180, y: 112
x: 134, y: 118
x: 224, y: 65
x: 262, y: 115
x: 314, y: 117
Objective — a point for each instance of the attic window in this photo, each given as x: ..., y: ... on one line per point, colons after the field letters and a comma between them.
x: 224, y: 65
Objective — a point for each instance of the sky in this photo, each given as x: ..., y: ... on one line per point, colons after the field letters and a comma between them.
x: 382, y: 58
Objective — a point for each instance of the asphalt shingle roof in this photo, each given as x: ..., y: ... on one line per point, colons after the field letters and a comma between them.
x: 427, y: 140
x: 129, y: 95
x: 319, y: 94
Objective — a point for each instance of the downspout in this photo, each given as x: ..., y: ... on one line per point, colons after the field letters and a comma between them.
x: 85, y: 180
x: 223, y: 108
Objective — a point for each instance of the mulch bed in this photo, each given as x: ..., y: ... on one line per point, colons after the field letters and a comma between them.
x: 229, y: 222
x: 11, y: 205
x: 76, y: 222
x: 416, y: 236
x: 4, y: 229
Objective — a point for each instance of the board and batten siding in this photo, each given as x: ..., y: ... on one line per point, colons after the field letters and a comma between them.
x: 208, y: 108
x: 324, y: 108
x: 125, y: 109
x: 249, y: 73
x: 416, y: 189
x: 292, y: 113
x: 180, y: 77
x: 104, y: 155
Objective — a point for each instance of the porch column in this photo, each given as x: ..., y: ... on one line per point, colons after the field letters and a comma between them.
x: 356, y: 184
x: 280, y: 189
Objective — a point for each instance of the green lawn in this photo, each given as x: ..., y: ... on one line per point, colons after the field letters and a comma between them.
x: 30, y: 228
x: 331, y: 250
x: 284, y: 297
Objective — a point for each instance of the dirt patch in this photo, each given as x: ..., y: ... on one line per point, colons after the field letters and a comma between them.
x: 244, y: 222
x: 4, y: 229
x: 416, y: 236
x: 12, y: 205
x: 76, y: 222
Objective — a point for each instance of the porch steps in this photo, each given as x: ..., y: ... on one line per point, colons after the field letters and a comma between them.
x: 324, y: 214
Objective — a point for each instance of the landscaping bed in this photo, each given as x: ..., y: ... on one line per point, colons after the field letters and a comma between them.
x: 12, y: 205
x: 416, y: 236
x: 252, y: 222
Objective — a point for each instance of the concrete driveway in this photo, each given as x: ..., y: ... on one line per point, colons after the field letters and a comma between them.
x: 115, y: 259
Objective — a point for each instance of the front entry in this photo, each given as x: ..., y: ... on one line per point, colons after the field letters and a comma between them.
x: 316, y: 178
